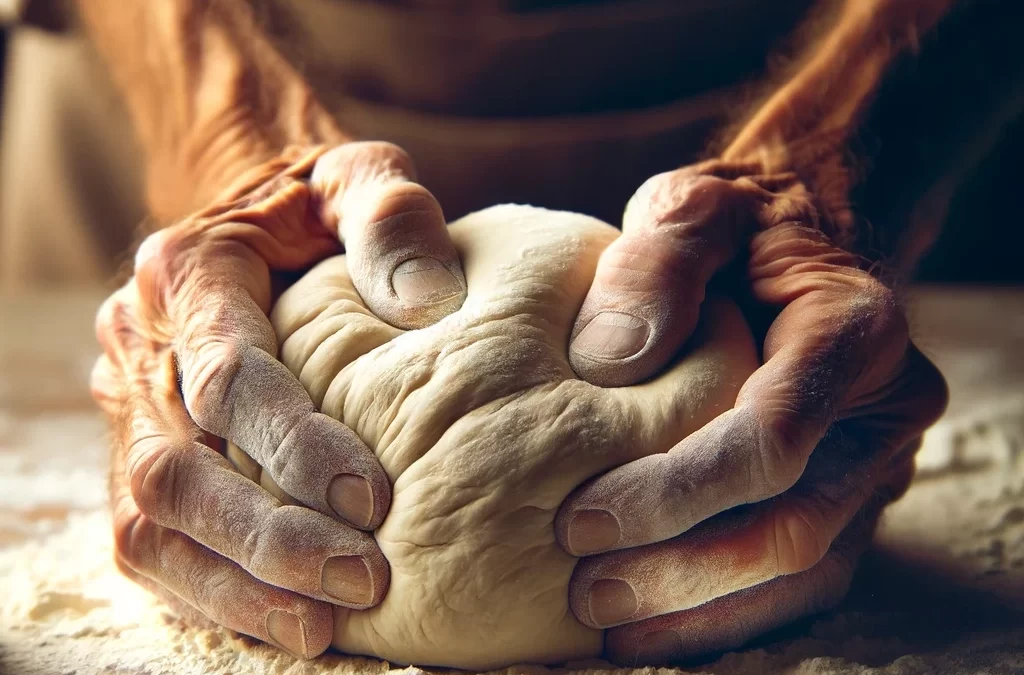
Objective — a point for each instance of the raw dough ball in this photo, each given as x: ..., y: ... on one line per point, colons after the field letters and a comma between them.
x: 484, y: 429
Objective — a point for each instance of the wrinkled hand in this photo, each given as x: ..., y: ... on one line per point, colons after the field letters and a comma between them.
x: 821, y: 436
x: 190, y: 359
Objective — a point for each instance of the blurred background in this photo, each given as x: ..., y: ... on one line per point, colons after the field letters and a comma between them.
x: 943, y: 144
x: 942, y: 148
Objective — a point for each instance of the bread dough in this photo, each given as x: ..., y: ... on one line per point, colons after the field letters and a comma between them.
x: 483, y: 429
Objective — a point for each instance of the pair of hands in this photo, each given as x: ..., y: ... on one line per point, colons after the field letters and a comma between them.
x: 820, y: 439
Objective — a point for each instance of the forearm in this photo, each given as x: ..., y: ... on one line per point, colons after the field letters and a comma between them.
x: 208, y: 95
x: 808, y: 124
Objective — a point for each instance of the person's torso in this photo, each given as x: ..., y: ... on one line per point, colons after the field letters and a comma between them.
x: 566, y: 104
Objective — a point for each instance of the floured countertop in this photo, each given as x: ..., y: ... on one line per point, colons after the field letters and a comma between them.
x: 942, y: 591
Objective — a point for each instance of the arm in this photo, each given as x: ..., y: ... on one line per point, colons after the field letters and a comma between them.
x: 792, y: 158
x: 807, y: 125
x: 243, y: 181
x: 821, y: 436
x: 209, y: 96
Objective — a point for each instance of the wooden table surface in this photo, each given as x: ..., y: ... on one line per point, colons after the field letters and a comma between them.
x: 944, y: 579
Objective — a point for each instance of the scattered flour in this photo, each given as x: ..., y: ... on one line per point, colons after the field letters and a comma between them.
x: 941, y: 592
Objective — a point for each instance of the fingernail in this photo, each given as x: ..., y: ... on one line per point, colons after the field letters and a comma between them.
x: 659, y: 647
x: 593, y: 530
x: 346, y: 578
x: 612, y: 335
x: 351, y: 498
x: 612, y: 601
x: 287, y: 630
x: 423, y: 281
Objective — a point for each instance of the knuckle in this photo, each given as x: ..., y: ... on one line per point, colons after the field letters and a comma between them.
x: 136, y: 539
x: 780, y: 454
x: 161, y: 267
x: 930, y: 391
x: 156, y: 477
x: 882, y: 302
x: 361, y: 162
x: 210, y: 374
x: 654, y: 203
x: 398, y: 208
x: 114, y: 324
x: 798, y: 539
x: 279, y: 453
x: 259, y: 548
x: 104, y: 385
x: 213, y: 590
x: 158, y: 252
x: 875, y: 320
x: 384, y: 152
x: 830, y: 583
x: 109, y: 314
x: 662, y: 183
x: 683, y: 206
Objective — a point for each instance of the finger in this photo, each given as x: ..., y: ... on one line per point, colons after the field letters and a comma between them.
x: 732, y: 621
x: 190, y: 614
x: 191, y: 575
x: 839, y: 348
x: 248, y: 467
x: 104, y: 383
x: 192, y: 489
x: 397, y: 245
x: 180, y: 483
x: 678, y: 230
x: 729, y: 553
x: 234, y: 386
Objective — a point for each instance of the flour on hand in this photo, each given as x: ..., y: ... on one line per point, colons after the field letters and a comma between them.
x: 483, y: 428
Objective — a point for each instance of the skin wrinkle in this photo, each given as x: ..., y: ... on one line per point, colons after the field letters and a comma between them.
x: 224, y: 25
x: 459, y: 450
x: 844, y: 70
x: 804, y: 388
x: 180, y: 270
x: 704, y: 212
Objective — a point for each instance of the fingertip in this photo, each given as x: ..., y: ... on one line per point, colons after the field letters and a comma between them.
x: 587, y: 531
x: 347, y: 579
x: 602, y: 592
x: 361, y: 492
x: 421, y: 292
x: 380, y: 574
x: 634, y: 648
x: 424, y: 281
x: 612, y: 335
x: 641, y: 308
x: 304, y: 630
x: 326, y: 466
x: 611, y: 602
x: 359, y: 578
x: 620, y: 344
x: 360, y: 501
x: 401, y: 256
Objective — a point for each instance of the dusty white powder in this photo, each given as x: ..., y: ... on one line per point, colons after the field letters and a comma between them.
x: 940, y: 593
x: 934, y: 597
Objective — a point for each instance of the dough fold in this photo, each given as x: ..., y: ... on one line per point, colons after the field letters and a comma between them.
x: 484, y: 429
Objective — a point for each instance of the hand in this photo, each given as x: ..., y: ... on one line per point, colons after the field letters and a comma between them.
x: 821, y: 436
x: 190, y: 359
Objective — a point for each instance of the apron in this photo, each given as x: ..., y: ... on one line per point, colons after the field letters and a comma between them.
x: 565, y: 104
